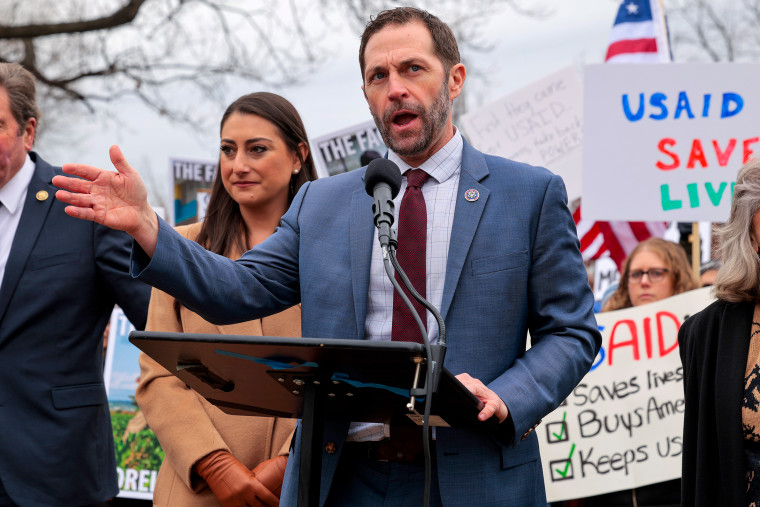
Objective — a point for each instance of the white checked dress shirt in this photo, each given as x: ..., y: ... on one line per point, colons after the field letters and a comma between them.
x: 439, y: 192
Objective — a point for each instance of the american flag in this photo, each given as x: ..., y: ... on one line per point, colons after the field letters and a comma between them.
x: 638, y: 35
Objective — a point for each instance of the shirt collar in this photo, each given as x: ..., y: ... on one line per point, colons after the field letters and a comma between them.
x: 12, y: 194
x: 443, y: 164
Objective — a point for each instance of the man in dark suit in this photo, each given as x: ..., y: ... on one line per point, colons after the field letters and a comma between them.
x: 502, y: 260
x: 59, y: 280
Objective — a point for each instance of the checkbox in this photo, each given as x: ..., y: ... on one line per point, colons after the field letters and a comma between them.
x: 556, y: 432
x: 562, y: 469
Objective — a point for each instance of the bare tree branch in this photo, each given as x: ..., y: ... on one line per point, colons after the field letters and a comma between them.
x: 123, y: 16
x: 91, y: 54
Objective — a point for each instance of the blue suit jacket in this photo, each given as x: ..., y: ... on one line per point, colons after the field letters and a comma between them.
x: 61, y: 282
x: 514, y: 267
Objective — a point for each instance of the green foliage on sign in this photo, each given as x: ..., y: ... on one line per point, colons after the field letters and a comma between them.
x: 138, y: 450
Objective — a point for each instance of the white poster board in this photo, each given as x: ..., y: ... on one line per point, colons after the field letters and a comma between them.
x: 664, y: 142
x: 621, y: 427
x: 540, y: 124
x: 340, y: 152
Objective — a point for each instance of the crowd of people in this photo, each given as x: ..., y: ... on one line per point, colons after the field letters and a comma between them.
x: 281, y: 253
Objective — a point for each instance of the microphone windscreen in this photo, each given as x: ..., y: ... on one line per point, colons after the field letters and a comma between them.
x: 382, y: 170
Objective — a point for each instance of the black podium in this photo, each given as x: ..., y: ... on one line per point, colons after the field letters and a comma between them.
x: 316, y: 380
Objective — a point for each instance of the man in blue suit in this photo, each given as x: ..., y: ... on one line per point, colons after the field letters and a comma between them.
x: 59, y: 280
x: 502, y: 260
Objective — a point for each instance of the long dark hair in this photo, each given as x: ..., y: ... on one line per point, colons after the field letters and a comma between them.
x: 223, y: 228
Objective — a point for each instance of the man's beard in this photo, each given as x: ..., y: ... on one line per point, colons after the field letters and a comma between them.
x: 433, y: 121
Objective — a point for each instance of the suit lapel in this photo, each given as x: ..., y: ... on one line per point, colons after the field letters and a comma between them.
x: 466, y: 218
x: 360, y: 241
x: 33, y: 217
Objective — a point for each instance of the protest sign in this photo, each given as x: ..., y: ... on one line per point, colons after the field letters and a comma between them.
x: 191, y: 179
x: 621, y: 427
x: 340, y: 152
x: 540, y: 124
x: 605, y: 275
x: 138, y: 453
x: 664, y: 142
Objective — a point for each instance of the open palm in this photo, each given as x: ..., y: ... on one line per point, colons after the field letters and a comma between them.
x: 115, y: 199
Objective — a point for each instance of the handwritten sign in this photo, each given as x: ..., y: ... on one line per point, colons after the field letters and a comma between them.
x: 664, y: 142
x: 540, y: 124
x: 621, y: 426
x: 340, y: 152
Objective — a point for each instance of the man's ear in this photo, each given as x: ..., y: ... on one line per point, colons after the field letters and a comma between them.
x: 457, y: 75
x: 29, y: 131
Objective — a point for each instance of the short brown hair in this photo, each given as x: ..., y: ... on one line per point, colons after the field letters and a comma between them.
x: 674, y: 257
x: 22, y: 93
x: 444, y: 42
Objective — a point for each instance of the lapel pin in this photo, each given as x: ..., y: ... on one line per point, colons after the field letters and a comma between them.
x: 471, y: 195
x: 42, y: 195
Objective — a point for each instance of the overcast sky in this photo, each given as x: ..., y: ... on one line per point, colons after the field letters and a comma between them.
x: 525, y: 50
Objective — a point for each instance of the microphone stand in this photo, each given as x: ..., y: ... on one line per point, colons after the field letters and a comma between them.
x: 434, y: 355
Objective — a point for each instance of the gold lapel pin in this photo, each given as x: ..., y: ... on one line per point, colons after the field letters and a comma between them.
x: 42, y: 195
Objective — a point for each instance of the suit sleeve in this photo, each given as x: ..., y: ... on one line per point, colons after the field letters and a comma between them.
x: 563, y: 330
x: 262, y: 282
x: 112, y: 251
x: 173, y: 411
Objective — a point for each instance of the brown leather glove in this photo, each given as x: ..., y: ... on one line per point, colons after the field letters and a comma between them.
x: 233, y: 484
x: 271, y: 473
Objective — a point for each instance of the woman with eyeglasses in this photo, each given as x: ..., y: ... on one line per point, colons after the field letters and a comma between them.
x: 720, y: 351
x: 655, y: 270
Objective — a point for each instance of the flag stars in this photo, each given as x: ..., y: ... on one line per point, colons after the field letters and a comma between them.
x: 632, y: 8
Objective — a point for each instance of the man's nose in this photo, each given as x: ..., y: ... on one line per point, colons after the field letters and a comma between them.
x: 396, y: 87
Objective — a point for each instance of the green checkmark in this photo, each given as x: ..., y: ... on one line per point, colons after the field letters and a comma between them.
x: 561, y: 433
x: 563, y: 473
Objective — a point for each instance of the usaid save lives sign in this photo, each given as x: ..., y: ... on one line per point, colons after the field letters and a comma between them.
x: 665, y: 141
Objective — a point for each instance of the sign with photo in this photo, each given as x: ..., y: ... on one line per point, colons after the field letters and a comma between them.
x: 192, y: 180
x: 138, y: 453
x: 340, y: 152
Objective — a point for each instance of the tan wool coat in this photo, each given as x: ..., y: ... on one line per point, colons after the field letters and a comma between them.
x: 187, y: 426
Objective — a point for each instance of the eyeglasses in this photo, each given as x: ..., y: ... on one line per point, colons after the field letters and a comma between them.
x: 654, y: 274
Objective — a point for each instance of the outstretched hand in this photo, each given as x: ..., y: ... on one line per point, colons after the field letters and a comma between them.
x: 494, y: 405
x: 117, y: 200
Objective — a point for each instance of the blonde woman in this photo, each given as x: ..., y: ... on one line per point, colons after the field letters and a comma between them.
x: 720, y: 350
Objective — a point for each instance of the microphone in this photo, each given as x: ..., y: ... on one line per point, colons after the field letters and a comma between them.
x: 382, y: 181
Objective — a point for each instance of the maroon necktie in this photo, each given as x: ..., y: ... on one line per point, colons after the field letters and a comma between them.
x: 412, y: 242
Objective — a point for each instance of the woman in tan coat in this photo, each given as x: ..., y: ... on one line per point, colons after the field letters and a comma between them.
x: 264, y: 159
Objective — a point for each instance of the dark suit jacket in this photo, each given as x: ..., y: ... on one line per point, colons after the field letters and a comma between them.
x: 61, y: 281
x: 714, y: 344
x: 513, y: 266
